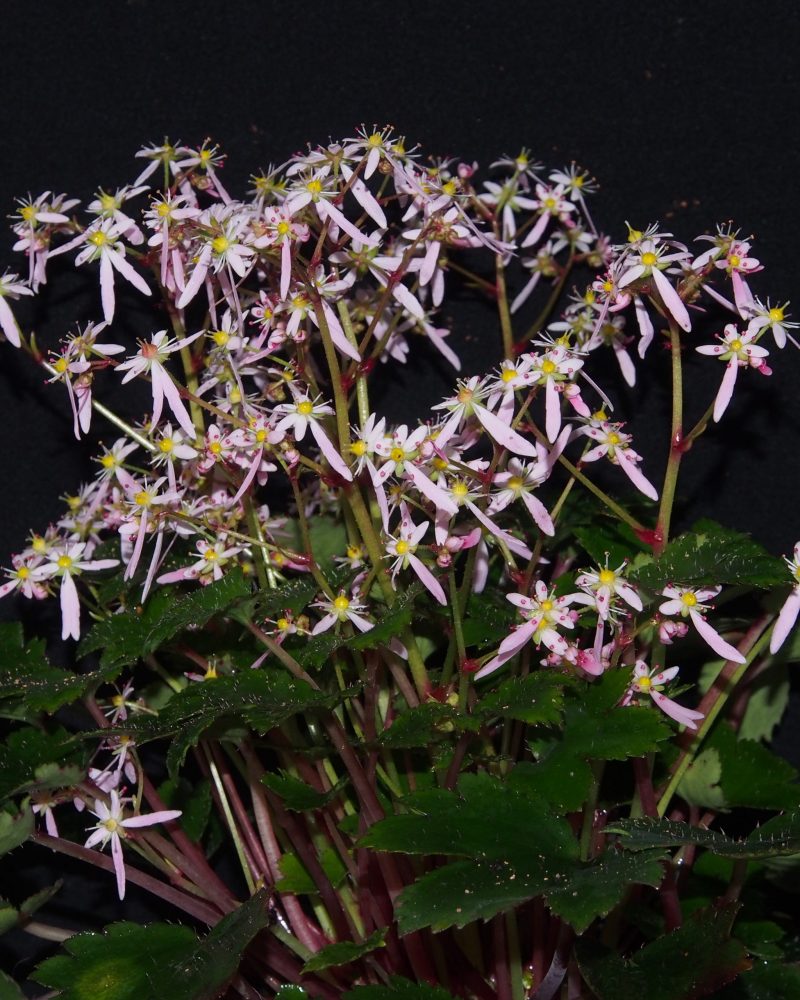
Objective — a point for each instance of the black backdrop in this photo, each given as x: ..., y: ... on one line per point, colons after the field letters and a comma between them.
x: 686, y: 113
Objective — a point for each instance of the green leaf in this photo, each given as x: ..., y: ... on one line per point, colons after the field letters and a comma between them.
x: 779, y: 836
x: 594, y: 890
x: 596, y: 728
x: 560, y: 779
x: 700, y: 785
x: 731, y: 772
x: 15, y: 828
x: 766, y: 981
x: 297, y: 795
x: 489, y: 823
x: 296, y: 880
x: 400, y: 988
x: 291, y: 993
x: 761, y: 937
x: 426, y: 724
x: 487, y: 620
x: 35, y: 759
x: 126, y: 637
x: 26, y: 675
x: 537, y: 699
x: 9, y: 989
x: 344, y: 952
x: 710, y: 554
x: 132, y: 962
x: 261, y: 699
x: 613, y: 539
x: 193, y: 800
x: 10, y: 915
x: 691, y: 962
x: 767, y: 703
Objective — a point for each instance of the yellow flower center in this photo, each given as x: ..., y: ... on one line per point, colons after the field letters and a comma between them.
x: 401, y: 548
x: 776, y: 315
x: 689, y: 599
x: 305, y: 408
x: 341, y: 603
x: 358, y: 448
x: 515, y: 483
x: 734, y: 260
x: 607, y: 577
x: 220, y: 244
x: 60, y: 365
x: 38, y: 544
x: 166, y: 445
x: 142, y: 498
x: 314, y: 187
x: 648, y: 259
x: 23, y: 573
x: 508, y: 374
x: 215, y: 447
x: 210, y: 555
x: 355, y: 552
x: 98, y: 238
x: 464, y: 395
x: 112, y: 825
x: 28, y: 212
x: 163, y: 210
x: 549, y: 204
x: 375, y: 140
x: 548, y: 366
x: 546, y: 605
x: 736, y: 345
x: 108, y: 202
x: 460, y: 489
x: 440, y: 464
x: 634, y: 235
x: 64, y: 562
x: 449, y: 188
x: 220, y: 337
x: 283, y: 624
x: 644, y: 683
x: 613, y: 438
x: 397, y: 454
x: 108, y: 461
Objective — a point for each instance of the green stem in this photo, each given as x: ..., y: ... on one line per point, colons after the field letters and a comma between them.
x: 713, y: 703
x: 503, y: 309
x: 362, y: 391
x: 676, y: 444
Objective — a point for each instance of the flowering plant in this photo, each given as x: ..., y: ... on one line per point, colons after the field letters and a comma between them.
x: 420, y: 682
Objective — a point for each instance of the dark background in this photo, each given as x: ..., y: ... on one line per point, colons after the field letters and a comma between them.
x: 686, y: 113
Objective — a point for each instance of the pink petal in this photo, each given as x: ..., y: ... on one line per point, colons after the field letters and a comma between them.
x: 672, y: 301
x: 338, y: 335
x: 645, y: 325
x: 8, y: 323
x: 286, y: 267
x: 786, y: 620
x: 631, y: 471
x: 685, y: 716
x: 107, y: 287
x: 329, y: 211
x: 70, y: 608
x: 173, y: 398
x: 502, y: 433
x: 427, y: 578
x: 119, y: 864
x: 163, y: 816
x: 714, y: 639
x: 434, y: 493
x: 335, y: 460
x: 726, y: 388
x: 539, y: 513
x: 128, y: 272
x: 552, y: 410
x: 197, y: 278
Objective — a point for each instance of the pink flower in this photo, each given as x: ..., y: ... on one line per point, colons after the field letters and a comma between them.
x: 616, y: 447
x: 102, y: 241
x: 605, y: 584
x: 544, y: 614
x: 739, y: 351
x: 66, y: 562
x: 649, y: 261
x: 150, y: 360
x: 402, y: 550
x: 791, y: 608
x: 341, y: 609
x: 690, y: 603
x: 651, y: 682
x: 11, y: 288
x: 304, y: 414
x: 112, y: 826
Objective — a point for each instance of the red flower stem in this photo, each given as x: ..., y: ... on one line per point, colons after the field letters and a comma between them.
x: 502, y: 977
x: 189, y: 904
x: 644, y: 786
x: 198, y: 867
x: 303, y: 927
x: 551, y: 983
x: 245, y: 826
